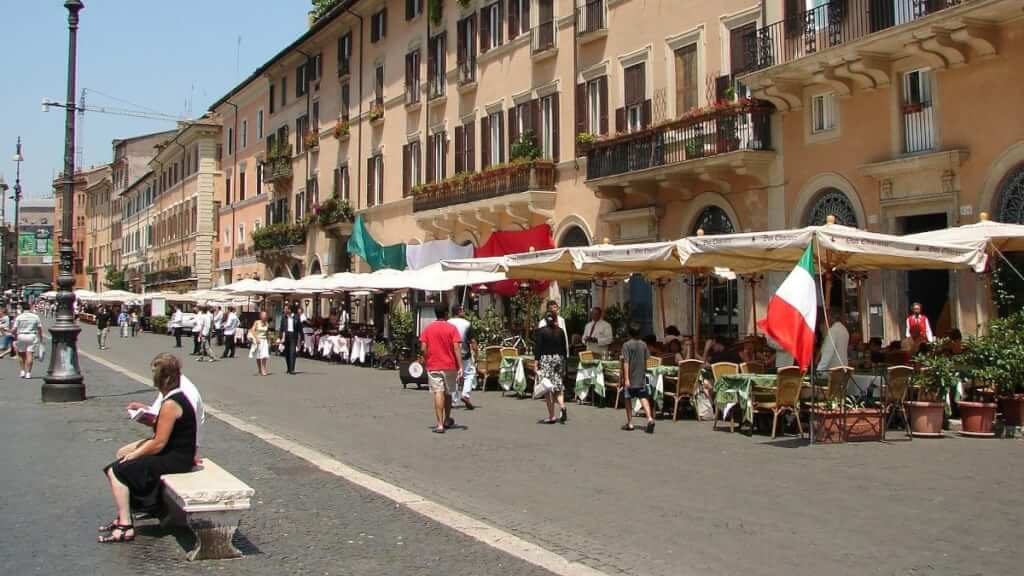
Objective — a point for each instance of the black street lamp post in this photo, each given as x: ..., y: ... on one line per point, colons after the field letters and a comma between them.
x: 63, y: 380
x: 18, y: 159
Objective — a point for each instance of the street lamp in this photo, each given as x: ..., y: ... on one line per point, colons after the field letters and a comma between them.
x: 3, y: 231
x: 18, y: 159
x: 63, y: 380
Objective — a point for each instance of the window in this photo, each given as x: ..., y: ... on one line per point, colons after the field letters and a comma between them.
x: 636, y: 114
x: 413, y: 8
x: 300, y: 206
x: 302, y: 79
x: 738, y: 57
x: 341, y: 182
x: 436, y: 64
x: 284, y: 90
x: 379, y: 26
x: 412, y: 77
x: 592, y: 107
x: 378, y: 85
x: 411, y: 167
x: 273, y: 96
x: 823, y: 112
x: 492, y: 129
x: 257, y: 224
x: 345, y: 100
x: 490, y: 27
x: 259, y: 124
x: 301, y: 127
x: 241, y: 234
x: 518, y: 17
x: 918, y: 126
x: 465, y: 53
x: 241, y: 185
x: 437, y: 156
x: 227, y: 235
x: 259, y: 178
x: 549, y: 127
x: 245, y: 134
x: 686, y: 79
x: 231, y: 141
x: 316, y: 116
x: 315, y: 67
x: 465, y: 140
x: 344, y: 54
x: 375, y: 180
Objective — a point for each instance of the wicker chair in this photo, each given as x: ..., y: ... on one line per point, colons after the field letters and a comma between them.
x: 685, y: 386
x: 719, y: 369
x: 491, y: 365
x: 896, y: 388
x: 613, y: 380
x: 752, y: 368
x: 787, y: 397
x: 586, y: 356
x: 838, y: 381
x: 653, y: 362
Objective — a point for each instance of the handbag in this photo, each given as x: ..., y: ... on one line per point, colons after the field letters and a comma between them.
x: 40, y: 351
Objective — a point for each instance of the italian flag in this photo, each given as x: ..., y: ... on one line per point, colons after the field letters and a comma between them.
x: 793, y: 311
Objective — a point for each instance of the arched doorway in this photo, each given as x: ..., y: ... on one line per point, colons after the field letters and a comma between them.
x: 718, y: 310
x: 577, y: 297
x: 1011, y: 211
x: 844, y: 293
x: 315, y: 267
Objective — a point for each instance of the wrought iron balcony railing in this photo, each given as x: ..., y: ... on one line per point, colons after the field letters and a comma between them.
x: 512, y: 178
x: 590, y: 17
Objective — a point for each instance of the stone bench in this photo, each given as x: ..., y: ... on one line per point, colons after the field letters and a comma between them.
x: 209, y: 500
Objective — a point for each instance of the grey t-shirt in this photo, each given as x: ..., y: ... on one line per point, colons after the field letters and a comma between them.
x: 635, y: 353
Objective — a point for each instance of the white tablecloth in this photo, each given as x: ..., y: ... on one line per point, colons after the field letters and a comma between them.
x: 360, y: 349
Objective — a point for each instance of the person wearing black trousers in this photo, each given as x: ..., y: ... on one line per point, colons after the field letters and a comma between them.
x: 290, y: 330
x: 229, y: 328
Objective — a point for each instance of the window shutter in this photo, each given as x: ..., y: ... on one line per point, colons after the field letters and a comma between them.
x: 581, y: 109
x: 384, y: 22
x: 370, y: 178
x: 485, y: 31
x: 380, y: 176
x: 500, y: 156
x: 535, y: 120
x: 444, y: 154
x: 431, y: 173
x: 431, y: 61
x: 410, y: 9
x: 603, y: 93
x: 460, y: 150
x: 513, y: 128
x: 269, y: 220
x: 554, y: 127
x: 337, y: 179
x: 460, y: 43
x: 620, y: 120
x: 485, y: 142
x: 472, y: 35
x: 645, y: 113
x: 406, y: 170
x: 497, y: 10
x: 470, y: 143
x: 525, y: 24
x: 513, y: 20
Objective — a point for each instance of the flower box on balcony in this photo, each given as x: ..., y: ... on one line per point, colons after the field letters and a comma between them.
x: 341, y: 129
x: 278, y: 237
x: 376, y: 112
x: 504, y: 179
x: 333, y: 211
x: 311, y: 140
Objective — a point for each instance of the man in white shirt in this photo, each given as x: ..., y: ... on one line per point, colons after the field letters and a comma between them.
x: 553, y: 309
x: 149, y: 418
x: 218, y: 325
x: 834, y: 348
x: 205, y: 332
x: 197, y: 329
x: 230, y: 328
x: 597, y: 334
x: 469, y: 351
x: 175, y: 326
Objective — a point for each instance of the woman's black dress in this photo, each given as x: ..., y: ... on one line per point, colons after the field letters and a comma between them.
x: 142, y: 475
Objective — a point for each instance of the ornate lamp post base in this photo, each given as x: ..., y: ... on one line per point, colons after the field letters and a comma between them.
x: 63, y: 380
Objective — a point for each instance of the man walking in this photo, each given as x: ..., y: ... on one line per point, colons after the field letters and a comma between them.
x: 634, y: 377
x: 175, y: 326
x: 206, y: 338
x: 218, y: 325
x: 290, y: 330
x: 441, y: 349
x: 469, y: 351
x: 230, y: 326
x: 102, y: 324
x: 197, y: 329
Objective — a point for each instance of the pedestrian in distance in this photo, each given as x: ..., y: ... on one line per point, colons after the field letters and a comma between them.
x: 102, y: 325
x: 6, y: 337
x: 175, y: 326
x: 29, y: 329
x: 550, y: 353
x: 441, y: 351
x: 634, y: 377
x: 171, y: 450
x: 133, y: 320
x: 259, y: 344
x: 290, y: 330
x: 206, y: 336
x: 218, y: 325
x: 197, y: 329
x: 469, y: 352
x: 122, y: 322
x: 230, y: 328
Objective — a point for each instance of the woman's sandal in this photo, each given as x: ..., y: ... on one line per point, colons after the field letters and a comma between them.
x: 628, y: 428
x: 119, y: 534
x: 108, y: 527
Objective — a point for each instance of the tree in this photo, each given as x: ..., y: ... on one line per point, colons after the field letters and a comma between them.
x: 116, y: 279
x: 321, y: 7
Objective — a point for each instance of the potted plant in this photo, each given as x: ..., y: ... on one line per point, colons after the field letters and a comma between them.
x: 847, y: 421
x: 938, y: 373
x: 376, y: 111
x: 311, y: 139
x: 584, y: 140
x: 341, y: 129
x: 996, y: 360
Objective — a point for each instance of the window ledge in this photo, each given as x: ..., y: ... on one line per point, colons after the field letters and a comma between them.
x: 588, y: 37
x: 437, y: 100
x: 467, y: 87
x: 544, y: 54
x: 413, y: 106
x: 509, y: 45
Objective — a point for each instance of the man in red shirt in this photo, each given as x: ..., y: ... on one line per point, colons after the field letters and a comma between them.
x: 441, y: 349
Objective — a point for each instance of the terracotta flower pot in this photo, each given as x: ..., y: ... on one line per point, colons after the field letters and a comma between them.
x: 926, y: 418
x: 1012, y: 408
x: 977, y: 418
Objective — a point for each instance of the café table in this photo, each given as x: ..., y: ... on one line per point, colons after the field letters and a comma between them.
x: 591, y: 375
x: 737, y: 391
x: 512, y: 374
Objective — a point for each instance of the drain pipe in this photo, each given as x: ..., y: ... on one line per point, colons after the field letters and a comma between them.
x: 232, y: 194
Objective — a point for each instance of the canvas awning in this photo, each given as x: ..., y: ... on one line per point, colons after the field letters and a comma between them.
x: 1000, y: 236
x: 118, y: 296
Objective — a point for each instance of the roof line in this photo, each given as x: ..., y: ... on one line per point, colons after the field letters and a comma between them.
x: 340, y: 8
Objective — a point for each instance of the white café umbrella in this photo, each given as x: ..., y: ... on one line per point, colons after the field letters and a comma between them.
x: 998, y: 235
x: 118, y: 296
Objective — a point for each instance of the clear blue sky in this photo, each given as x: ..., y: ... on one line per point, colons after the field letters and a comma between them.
x: 168, y: 56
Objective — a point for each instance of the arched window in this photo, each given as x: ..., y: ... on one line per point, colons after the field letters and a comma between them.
x: 574, y: 237
x: 718, y: 312
x: 832, y: 202
x: 1011, y: 197
x: 315, y: 268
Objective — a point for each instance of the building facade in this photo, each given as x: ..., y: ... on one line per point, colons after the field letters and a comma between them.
x: 137, y: 230
x: 35, y: 247
x: 84, y: 179
x: 187, y: 179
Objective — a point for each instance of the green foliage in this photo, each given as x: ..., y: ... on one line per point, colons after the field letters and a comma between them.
x: 281, y: 150
x: 997, y: 358
x: 333, y: 211
x: 489, y: 328
x: 576, y: 315
x: 158, y: 324
x: 939, y: 371
x: 436, y: 10
x: 1006, y: 286
x: 525, y: 148
x: 116, y: 279
x: 401, y: 323
x: 585, y: 138
x: 278, y: 236
x: 321, y: 7
x: 618, y: 316
x: 528, y: 308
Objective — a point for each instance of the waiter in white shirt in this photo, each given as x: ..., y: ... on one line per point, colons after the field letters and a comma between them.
x: 597, y: 334
x: 175, y: 326
x: 553, y: 309
x: 230, y: 327
x: 834, y: 349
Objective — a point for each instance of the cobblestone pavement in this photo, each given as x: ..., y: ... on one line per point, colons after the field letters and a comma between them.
x: 303, y: 520
x: 686, y: 500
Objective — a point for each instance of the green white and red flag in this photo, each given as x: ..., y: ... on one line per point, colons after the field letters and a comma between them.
x: 793, y: 312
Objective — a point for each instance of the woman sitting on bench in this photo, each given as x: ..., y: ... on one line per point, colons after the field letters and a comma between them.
x: 171, y: 450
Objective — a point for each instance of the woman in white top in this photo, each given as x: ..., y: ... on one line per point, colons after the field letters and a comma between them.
x: 29, y: 330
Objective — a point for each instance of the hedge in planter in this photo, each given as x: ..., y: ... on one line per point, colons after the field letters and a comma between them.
x: 997, y: 359
x: 938, y: 374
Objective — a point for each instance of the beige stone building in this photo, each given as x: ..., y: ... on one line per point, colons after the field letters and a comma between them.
x: 97, y: 231
x: 187, y: 179
x: 84, y: 178
x: 137, y: 229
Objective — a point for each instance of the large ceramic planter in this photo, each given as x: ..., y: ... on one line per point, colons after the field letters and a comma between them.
x: 976, y: 419
x: 926, y: 418
x: 1012, y: 408
x: 855, y: 425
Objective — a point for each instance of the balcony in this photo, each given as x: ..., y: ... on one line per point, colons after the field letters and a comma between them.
x: 733, y: 137
x: 168, y: 276
x: 850, y: 44
x: 542, y: 38
x: 591, y: 18
x: 513, y: 191
x: 277, y: 170
x: 376, y: 113
x: 243, y: 252
x: 467, y: 72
